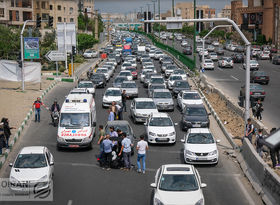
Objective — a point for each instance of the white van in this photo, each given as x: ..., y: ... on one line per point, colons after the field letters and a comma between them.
x: 77, y: 122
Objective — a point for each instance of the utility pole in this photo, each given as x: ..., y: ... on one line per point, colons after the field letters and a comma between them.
x: 194, y: 34
x: 154, y: 1
x: 96, y: 25
x: 159, y: 17
x: 173, y: 12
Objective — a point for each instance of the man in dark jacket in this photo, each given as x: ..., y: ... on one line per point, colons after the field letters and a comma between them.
x: 55, y: 108
x: 7, y: 131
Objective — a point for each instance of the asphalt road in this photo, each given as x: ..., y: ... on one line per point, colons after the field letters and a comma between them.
x: 79, y: 180
x: 230, y: 81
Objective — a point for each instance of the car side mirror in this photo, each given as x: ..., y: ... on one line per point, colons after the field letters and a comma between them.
x: 203, y: 185
x: 218, y: 141
x: 11, y: 164
x: 51, y: 163
x: 145, y: 124
x: 176, y: 123
x: 153, y: 185
x: 182, y: 140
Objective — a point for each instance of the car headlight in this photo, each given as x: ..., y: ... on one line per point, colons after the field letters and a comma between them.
x: 206, y: 122
x: 157, y: 202
x: 13, y: 180
x: 152, y: 134
x: 189, y: 153
x: 200, y: 202
x: 213, y: 152
x: 60, y: 139
x: 86, y: 139
x: 105, y: 100
x: 43, y: 179
x: 188, y: 122
x: 138, y: 114
x: 172, y: 133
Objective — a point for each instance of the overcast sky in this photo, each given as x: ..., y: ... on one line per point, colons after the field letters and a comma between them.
x: 127, y: 6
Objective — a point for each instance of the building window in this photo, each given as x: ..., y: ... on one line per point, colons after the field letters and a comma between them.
x: 43, y: 5
x: 64, y: 9
x: 37, y: 5
x: 64, y: 19
x: 26, y: 16
x: 70, y: 10
x: 71, y: 20
x: 12, y: 3
x: 59, y: 19
x: 51, y: 7
x: 24, y: 3
x: 2, y: 13
x: 45, y: 16
x: 17, y: 15
x: 59, y: 7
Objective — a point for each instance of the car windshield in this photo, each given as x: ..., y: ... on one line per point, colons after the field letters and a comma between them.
x: 191, y: 96
x: 123, y: 127
x: 227, y: 59
x: 162, y: 95
x: 127, y: 64
x: 178, y: 77
x: 157, y: 80
x: 195, y: 111
x: 179, y: 72
x: 128, y: 85
x: 30, y: 161
x: 255, y: 87
x: 182, y: 84
x: 101, y: 71
x: 260, y: 73
x: 176, y: 182
x: 119, y: 80
x: 171, y: 67
x: 125, y: 74
x: 131, y: 69
x: 77, y: 120
x: 110, y: 92
x: 200, y: 138
x: 208, y: 61
x: 85, y: 85
x: 145, y: 105
x: 253, y: 62
x: 160, y: 121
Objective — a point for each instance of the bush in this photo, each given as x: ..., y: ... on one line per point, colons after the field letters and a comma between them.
x: 79, y: 59
x: 61, y: 69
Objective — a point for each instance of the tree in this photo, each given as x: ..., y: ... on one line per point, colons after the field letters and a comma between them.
x: 203, y: 33
x: 237, y: 38
x: 86, y: 41
x: 188, y: 30
x: 9, y: 42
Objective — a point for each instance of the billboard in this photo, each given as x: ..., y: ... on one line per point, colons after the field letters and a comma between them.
x: 31, y: 48
x: 66, y: 34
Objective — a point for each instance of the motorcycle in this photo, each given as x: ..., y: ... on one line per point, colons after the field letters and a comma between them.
x: 55, y: 116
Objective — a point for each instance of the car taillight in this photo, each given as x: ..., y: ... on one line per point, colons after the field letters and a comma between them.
x: 257, y: 77
x: 267, y: 77
x: 251, y: 93
x: 263, y: 93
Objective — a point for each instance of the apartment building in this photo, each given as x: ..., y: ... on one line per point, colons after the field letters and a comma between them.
x: 226, y: 12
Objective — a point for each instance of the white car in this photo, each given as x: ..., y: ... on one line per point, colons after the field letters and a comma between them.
x: 181, y: 73
x: 143, y: 74
x: 158, y: 55
x: 160, y: 128
x: 264, y: 55
x: 127, y: 74
x: 112, y: 95
x: 90, y: 54
x: 141, y: 108
x: 210, y: 48
x: 163, y: 99
x: 215, y: 43
x: 254, y: 65
x: 104, y: 71
x: 125, y: 65
x: 205, y: 53
x: 200, y: 147
x: 133, y: 62
x: 152, y: 53
x: 208, y: 64
x: 178, y: 184
x: 88, y: 85
x: 190, y: 97
x: 112, y: 60
x: 213, y: 56
x: 171, y: 80
x: 225, y: 62
x: 256, y: 51
x: 33, y: 166
x: 198, y: 49
x: 184, y: 43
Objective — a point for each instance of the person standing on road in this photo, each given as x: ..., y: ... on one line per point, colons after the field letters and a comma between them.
x: 114, y: 109
x: 2, y: 137
x: 142, y: 146
x: 249, y: 130
x: 119, y: 112
x: 107, y: 146
x: 111, y: 116
x: 126, y: 150
x: 259, y: 109
x: 124, y: 98
x: 7, y: 131
x: 259, y: 142
x: 37, y: 105
x: 274, y: 153
x: 101, y: 137
x: 113, y: 133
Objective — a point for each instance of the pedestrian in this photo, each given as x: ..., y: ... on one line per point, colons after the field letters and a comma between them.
x: 142, y: 146
x: 37, y: 105
x: 107, y: 146
x: 124, y: 98
x: 101, y: 137
x: 1, y: 137
x: 119, y: 112
x: 126, y: 151
x: 259, y: 109
x: 259, y: 142
x: 113, y: 133
x: 114, y: 108
x: 111, y: 116
x: 274, y: 153
x: 7, y: 131
x: 249, y: 130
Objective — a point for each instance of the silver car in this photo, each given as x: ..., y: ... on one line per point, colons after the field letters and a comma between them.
x: 163, y: 99
x: 130, y: 87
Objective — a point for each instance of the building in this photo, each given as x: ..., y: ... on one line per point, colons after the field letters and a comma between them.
x: 258, y: 17
x: 226, y: 12
x: 276, y: 23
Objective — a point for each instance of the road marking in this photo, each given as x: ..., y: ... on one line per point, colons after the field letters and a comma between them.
x: 70, y: 202
x: 234, y: 77
x: 244, y: 191
x: 220, y: 69
x: 240, y: 68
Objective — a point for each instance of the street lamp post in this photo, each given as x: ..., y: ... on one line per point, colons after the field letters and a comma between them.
x: 159, y: 17
x: 194, y: 34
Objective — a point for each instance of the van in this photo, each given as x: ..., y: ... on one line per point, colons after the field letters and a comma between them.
x: 77, y: 122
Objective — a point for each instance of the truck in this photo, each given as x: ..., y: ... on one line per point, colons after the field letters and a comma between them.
x: 141, y: 48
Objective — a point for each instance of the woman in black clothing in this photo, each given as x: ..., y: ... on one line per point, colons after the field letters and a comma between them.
x: 7, y: 131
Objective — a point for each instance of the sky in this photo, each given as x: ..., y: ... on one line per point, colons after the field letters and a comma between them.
x: 127, y: 6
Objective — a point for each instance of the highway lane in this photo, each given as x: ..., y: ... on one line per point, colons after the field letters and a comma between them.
x: 79, y: 180
x: 230, y: 81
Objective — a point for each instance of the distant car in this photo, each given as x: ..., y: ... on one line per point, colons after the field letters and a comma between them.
x: 256, y: 92
x: 259, y: 77
x: 207, y: 65
x: 179, y: 86
x: 198, y: 49
x: 188, y: 97
x: 254, y: 65
x: 264, y: 55
x: 210, y: 48
x: 171, y: 80
x: 187, y: 50
x: 239, y: 49
x: 184, y: 43
x: 88, y: 85
x: 133, y: 71
x: 158, y: 55
x: 104, y: 71
x: 276, y: 59
x: 255, y: 52
x: 225, y: 62
x: 111, y: 95
x: 180, y: 72
x: 237, y: 58
x: 141, y: 108
x: 176, y: 183
x: 118, y: 81
x: 215, y: 43
x: 130, y: 87
x: 32, y: 169
x: 169, y: 70
x: 153, y: 87
x: 143, y: 74
x: 99, y: 80
x: 163, y: 100
x: 201, y: 53
x: 90, y: 54
x: 160, y: 128
x: 126, y: 73
x: 125, y: 65
x: 194, y: 116
x: 156, y: 80
x: 200, y: 147
x: 213, y: 56
x: 220, y: 51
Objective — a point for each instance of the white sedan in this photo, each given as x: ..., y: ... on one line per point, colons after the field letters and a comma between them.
x: 34, y: 166
x: 200, y: 147
x: 178, y: 184
x: 112, y: 95
x: 171, y: 80
x: 190, y: 97
x: 208, y: 64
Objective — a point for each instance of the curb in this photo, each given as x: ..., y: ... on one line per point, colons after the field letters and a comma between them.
x: 21, y: 128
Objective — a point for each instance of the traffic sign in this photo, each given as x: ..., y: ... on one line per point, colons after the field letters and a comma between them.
x: 31, y: 48
x: 174, y: 25
x: 55, y: 56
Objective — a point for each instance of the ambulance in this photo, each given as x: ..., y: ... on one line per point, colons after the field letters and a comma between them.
x: 77, y: 122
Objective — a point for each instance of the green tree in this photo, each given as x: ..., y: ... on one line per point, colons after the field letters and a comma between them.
x: 9, y: 42
x: 85, y: 41
x: 203, y: 33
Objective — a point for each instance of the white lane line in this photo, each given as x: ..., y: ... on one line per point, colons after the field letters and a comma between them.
x: 234, y: 77
x: 244, y: 191
x: 70, y: 202
x: 240, y: 68
x: 220, y: 69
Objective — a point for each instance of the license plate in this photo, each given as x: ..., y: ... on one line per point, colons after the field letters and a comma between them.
x: 257, y: 94
x: 262, y: 78
x: 201, y: 158
x: 74, y: 146
x: 162, y: 140
x: 196, y: 125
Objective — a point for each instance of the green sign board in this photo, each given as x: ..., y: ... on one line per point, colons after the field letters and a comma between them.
x: 31, y: 48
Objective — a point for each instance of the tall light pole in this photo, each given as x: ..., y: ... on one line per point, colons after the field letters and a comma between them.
x: 154, y: 1
x: 194, y: 34
x: 159, y: 18
x: 173, y: 12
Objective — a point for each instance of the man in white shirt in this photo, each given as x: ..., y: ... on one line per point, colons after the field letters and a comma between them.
x: 142, y: 146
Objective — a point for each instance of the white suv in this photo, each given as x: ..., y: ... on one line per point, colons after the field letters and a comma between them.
x: 141, y: 108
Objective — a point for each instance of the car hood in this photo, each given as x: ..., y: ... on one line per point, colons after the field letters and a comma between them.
x: 201, y: 148
x: 29, y: 174
x: 112, y: 98
x: 146, y: 111
x: 79, y: 133
x: 179, y: 198
x: 180, y: 89
x: 195, y: 118
x: 192, y: 102
x: 161, y: 130
x: 131, y: 90
x: 163, y: 100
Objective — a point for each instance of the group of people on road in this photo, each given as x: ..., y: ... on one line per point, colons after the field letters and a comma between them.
x: 115, y: 110
x: 116, y: 150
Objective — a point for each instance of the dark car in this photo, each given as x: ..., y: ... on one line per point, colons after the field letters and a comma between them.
x: 118, y: 81
x: 179, y: 86
x: 99, y: 80
x: 276, y: 59
x: 259, y: 77
x: 239, y: 49
x: 256, y: 92
x: 220, y: 51
x: 237, y: 58
x: 187, y: 50
x: 166, y: 59
x: 194, y: 116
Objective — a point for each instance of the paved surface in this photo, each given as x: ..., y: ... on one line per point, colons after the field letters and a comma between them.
x: 79, y: 180
x: 230, y: 81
